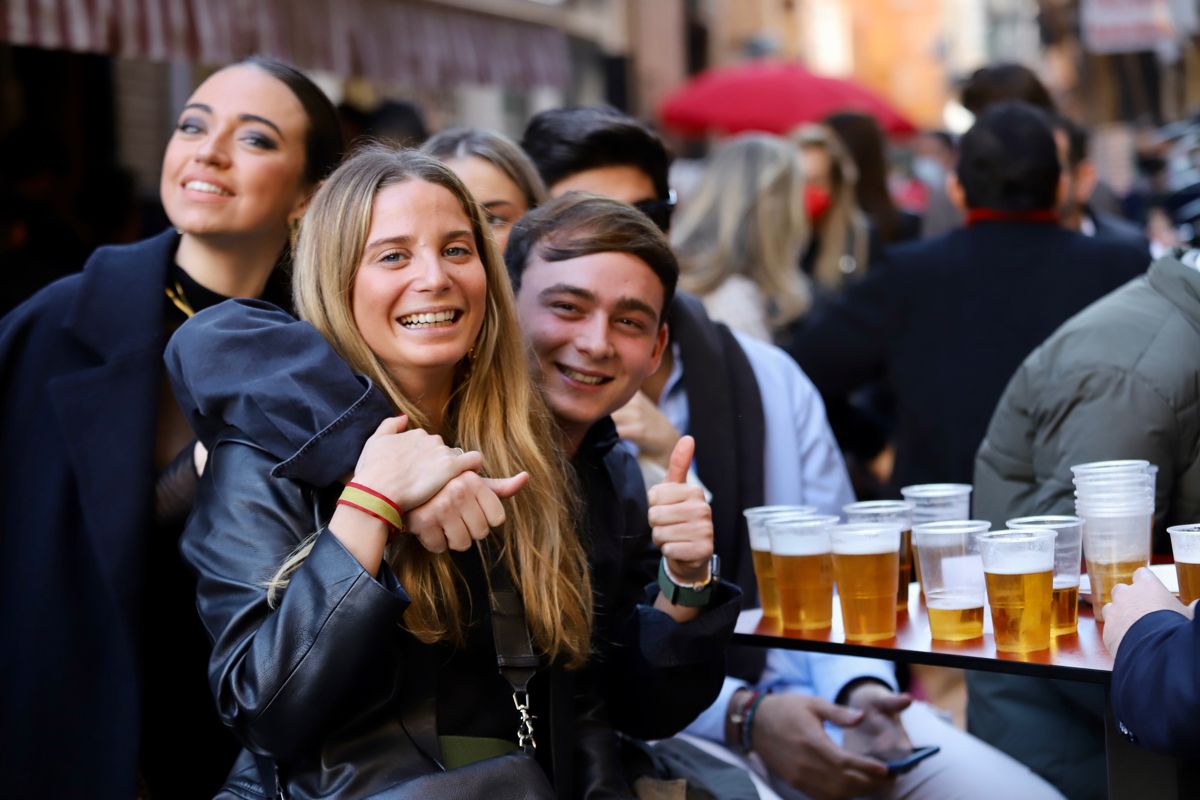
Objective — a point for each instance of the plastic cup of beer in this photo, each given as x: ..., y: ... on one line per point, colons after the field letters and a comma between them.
x: 1116, y: 541
x: 953, y: 570
x: 866, y: 566
x: 801, y: 558
x: 934, y: 502
x: 1068, y: 551
x: 1185, y: 544
x: 1018, y: 570
x: 890, y: 512
x: 760, y: 552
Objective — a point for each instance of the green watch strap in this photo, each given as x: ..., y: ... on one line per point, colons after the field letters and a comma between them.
x: 686, y: 596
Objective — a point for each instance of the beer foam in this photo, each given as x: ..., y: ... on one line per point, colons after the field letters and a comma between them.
x: 954, y: 601
x: 1023, y: 564
x: 866, y: 545
x: 1066, y: 581
x: 800, y: 545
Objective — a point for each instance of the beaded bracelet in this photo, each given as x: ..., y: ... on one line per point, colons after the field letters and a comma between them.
x: 379, y: 506
x: 748, y: 721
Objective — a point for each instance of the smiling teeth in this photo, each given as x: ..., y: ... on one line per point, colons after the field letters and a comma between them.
x: 205, y: 186
x: 579, y: 376
x: 428, y: 320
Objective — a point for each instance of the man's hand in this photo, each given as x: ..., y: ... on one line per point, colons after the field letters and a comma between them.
x: 1132, y: 602
x: 880, y: 729
x: 789, y: 737
x: 680, y: 519
x: 642, y: 423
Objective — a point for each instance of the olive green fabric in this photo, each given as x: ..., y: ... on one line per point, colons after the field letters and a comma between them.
x: 1117, y: 380
x: 458, y: 751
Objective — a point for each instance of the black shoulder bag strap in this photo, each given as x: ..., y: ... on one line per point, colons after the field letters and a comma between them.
x: 515, y: 656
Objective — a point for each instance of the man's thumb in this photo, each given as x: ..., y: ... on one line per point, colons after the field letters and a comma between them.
x: 681, y: 460
x: 507, y: 487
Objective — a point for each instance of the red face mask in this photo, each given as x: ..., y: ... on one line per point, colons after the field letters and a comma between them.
x: 816, y: 202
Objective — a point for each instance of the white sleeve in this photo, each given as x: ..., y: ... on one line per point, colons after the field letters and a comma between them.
x: 711, y: 722
x: 802, y: 461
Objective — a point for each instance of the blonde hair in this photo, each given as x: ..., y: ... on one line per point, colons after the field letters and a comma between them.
x: 495, y: 148
x: 747, y: 218
x: 844, y: 233
x: 494, y: 409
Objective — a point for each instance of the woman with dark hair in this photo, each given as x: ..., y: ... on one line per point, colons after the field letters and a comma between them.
x: 105, y: 676
x: 839, y: 247
x: 861, y: 135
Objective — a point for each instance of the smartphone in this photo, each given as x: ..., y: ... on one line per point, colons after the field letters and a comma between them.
x: 900, y: 761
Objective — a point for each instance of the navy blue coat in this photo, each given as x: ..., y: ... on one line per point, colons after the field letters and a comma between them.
x: 1156, y: 684
x: 80, y: 381
x: 947, y: 321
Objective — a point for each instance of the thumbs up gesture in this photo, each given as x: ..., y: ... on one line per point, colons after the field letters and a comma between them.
x: 680, y: 519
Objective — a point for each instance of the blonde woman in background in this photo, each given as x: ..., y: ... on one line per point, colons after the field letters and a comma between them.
x: 495, y: 171
x: 742, y: 233
x: 840, y: 244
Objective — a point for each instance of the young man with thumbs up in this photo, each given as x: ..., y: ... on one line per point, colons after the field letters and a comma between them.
x: 593, y: 280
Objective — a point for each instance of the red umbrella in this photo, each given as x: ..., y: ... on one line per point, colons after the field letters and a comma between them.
x: 770, y: 96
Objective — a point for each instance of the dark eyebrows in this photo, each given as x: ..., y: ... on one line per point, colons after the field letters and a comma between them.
x: 624, y: 305
x: 633, y: 304
x: 568, y: 289
x: 263, y: 120
x: 243, y: 117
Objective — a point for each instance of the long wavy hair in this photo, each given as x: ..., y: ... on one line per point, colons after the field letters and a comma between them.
x: 844, y: 236
x: 494, y: 408
x: 747, y: 218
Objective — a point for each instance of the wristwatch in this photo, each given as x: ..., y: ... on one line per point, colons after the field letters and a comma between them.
x: 694, y: 595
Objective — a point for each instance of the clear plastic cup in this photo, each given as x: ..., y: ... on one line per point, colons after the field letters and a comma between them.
x: 1018, y: 569
x: 934, y: 502
x: 801, y: 560
x: 937, y: 501
x: 1120, y: 466
x: 890, y: 512
x: 760, y: 552
x: 1116, y: 541
x: 1068, y: 551
x: 953, y: 574
x: 866, y: 566
x: 1185, y: 545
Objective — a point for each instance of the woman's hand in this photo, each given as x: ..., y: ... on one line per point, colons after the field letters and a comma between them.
x: 410, y: 467
x: 464, y: 511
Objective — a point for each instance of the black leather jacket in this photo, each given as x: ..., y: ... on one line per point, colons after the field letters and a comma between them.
x: 327, y: 685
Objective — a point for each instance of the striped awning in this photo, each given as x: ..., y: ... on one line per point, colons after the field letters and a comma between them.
x: 393, y: 41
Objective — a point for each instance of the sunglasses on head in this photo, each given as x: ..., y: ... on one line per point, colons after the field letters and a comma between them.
x: 659, y: 211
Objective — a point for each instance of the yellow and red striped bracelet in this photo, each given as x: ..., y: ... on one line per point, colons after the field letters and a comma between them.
x: 369, y: 501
